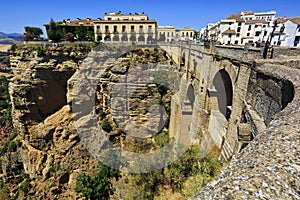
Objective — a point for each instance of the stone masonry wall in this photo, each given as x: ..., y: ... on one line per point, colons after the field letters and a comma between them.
x: 269, y: 167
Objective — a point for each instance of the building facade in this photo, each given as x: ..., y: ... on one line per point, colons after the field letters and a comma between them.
x: 125, y: 28
x: 287, y: 32
x: 166, y: 33
x: 186, y: 34
x: 240, y: 29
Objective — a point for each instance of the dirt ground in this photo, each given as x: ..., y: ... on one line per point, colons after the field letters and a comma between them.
x: 4, y: 47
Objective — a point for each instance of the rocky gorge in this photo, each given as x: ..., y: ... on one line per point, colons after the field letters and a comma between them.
x: 59, y: 91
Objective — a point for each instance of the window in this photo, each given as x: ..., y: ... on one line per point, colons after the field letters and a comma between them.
x: 141, y: 29
x: 255, y: 26
x: 248, y: 34
x: 132, y: 29
x: 237, y: 35
x: 240, y: 24
x: 149, y: 29
x: 257, y: 33
x: 115, y: 29
x: 191, y: 35
x: 236, y: 42
x: 168, y: 34
x: 229, y: 35
x: 106, y: 29
x: 264, y: 26
x: 239, y: 29
x: 249, y: 28
x: 109, y: 18
x: 265, y: 33
x: 98, y: 29
x: 123, y: 29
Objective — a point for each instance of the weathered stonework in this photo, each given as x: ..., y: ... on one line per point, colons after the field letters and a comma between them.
x: 269, y: 167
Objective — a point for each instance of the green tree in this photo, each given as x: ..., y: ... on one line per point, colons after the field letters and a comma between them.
x: 34, y: 32
x: 54, y: 32
x: 99, y: 187
x: 81, y: 33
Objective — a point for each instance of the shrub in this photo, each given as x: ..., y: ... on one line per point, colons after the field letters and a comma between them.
x: 98, y: 187
x: 13, y: 48
x: 106, y: 125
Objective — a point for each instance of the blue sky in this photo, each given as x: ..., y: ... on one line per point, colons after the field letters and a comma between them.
x: 15, y: 14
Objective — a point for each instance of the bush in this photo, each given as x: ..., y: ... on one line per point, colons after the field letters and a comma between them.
x: 13, y: 48
x: 10, y: 145
x: 101, y: 113
x: 98, y: 187
x: 106, y: 125
x: 175, y: 175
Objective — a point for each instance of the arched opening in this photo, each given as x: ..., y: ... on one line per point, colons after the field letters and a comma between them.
x: 186, y: 117
x: 141, y: 38
x: 191, y: 96
x: 116, y: 38
x: 182, y: 62
x: 107, y: 38
x: 224, y: 92
x: 99, y: 38
x: 132, y: 38
x: 150, y: 39
x: 124, y: 38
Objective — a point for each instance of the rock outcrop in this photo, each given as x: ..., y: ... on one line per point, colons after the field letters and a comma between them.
x: 51, y: 153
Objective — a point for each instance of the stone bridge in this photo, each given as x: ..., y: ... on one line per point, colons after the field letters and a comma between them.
x: 224, y: 99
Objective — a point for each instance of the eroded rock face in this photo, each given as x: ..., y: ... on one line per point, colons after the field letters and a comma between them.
x: 51, y: 152
x: 42, y: 92
x: 39, y: 86
x: 130, y: 98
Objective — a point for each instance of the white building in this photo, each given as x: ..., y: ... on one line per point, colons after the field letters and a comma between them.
x: 246, y: 27
x: 287, y: 32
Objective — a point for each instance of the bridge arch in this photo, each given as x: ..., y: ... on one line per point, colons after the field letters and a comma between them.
x: 224, y: 92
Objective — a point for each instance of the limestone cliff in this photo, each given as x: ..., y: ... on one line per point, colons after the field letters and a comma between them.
x: 50, y: 154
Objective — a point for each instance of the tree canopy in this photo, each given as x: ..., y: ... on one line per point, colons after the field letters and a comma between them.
x: 54, y: 33
x: 32, y: 33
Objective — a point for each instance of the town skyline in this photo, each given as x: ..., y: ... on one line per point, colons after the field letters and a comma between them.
x: 188, y: 14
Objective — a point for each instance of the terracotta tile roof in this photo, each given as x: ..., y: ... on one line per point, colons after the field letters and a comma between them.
x: 237, y: 17
x: 296, y: 20
x: 248, y: 13
x: 79, y: 22
x: 258, y: 21
x: 227, y: 32
x: 281, y: 20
